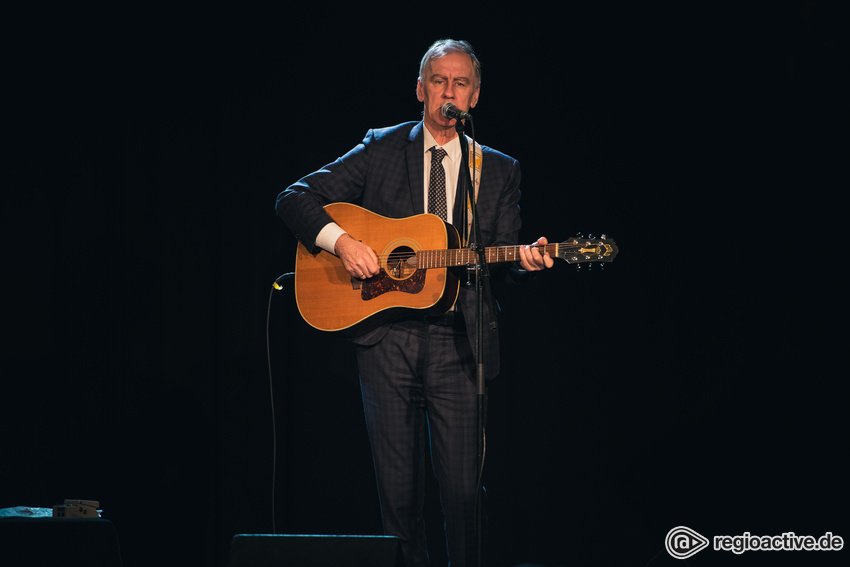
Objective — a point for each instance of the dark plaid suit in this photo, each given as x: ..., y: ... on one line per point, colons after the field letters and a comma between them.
x: 417, y: 379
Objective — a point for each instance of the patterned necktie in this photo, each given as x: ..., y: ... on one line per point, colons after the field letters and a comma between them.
x: 437, y: 184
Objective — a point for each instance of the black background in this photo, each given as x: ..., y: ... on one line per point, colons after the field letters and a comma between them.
x: 692, y: 382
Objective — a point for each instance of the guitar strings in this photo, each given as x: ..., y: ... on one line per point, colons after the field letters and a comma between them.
x: 497, y: 250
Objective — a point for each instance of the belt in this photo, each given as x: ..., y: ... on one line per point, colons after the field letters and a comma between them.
x: 449, y: 319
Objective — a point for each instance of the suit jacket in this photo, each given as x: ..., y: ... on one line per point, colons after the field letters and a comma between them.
x: 384, y: 174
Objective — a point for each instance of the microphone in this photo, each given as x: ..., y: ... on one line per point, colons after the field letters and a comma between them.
x: 450, y: 110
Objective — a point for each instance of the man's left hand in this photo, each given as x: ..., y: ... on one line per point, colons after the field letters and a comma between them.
x: 532, y: 260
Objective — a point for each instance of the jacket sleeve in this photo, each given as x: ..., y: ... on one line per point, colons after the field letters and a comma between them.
x: 301, y: 204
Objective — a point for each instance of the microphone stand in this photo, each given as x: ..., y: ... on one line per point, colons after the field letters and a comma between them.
x: 482, y: 290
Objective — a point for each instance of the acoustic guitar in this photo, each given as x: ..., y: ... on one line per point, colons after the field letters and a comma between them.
x: 415, y: 255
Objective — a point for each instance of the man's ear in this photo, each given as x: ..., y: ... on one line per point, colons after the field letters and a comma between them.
x: 420, y: 95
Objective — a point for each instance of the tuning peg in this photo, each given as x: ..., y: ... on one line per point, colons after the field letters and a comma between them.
x: 579, y: 235
x: 590, y: 236
x: 603, y: 237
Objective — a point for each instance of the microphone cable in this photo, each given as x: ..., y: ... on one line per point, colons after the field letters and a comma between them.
x: 276, y: 286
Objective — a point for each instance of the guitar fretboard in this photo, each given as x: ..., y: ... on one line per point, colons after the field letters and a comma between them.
x: 426, y: 259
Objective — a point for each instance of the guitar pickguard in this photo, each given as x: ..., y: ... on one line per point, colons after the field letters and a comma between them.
x: 383, y: 283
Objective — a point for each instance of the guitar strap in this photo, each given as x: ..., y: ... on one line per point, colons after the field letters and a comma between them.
x: 476, y: 159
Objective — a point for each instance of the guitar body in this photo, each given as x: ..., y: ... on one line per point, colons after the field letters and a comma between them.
x: 329, y: 299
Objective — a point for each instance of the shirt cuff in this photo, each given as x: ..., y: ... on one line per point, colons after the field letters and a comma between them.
x: 327, y: 237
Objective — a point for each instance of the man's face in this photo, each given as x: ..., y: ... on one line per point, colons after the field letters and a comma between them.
x: 448, y: 79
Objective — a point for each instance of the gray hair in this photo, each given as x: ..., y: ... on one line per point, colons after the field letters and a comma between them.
x: 443, y: 47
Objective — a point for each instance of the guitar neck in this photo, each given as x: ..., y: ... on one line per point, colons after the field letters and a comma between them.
x: 573, y: 251
x: 467, y: 256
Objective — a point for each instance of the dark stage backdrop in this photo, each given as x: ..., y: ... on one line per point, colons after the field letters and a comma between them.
x: 692, y: 382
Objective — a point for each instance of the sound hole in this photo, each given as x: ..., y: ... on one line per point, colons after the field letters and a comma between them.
x: 401, y: 262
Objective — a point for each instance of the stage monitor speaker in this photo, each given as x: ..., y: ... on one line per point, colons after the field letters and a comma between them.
x: 288, y: 550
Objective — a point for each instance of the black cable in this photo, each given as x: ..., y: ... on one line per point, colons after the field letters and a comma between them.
x: 271, y: 397
x: 275, y: 287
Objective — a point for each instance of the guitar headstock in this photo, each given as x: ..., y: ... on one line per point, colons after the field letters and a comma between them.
x: 580, y: 249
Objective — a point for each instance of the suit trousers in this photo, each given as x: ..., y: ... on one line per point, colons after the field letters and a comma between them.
x: 419, y: 390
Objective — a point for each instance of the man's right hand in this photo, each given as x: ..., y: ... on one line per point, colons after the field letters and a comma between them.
x: 358, y: 259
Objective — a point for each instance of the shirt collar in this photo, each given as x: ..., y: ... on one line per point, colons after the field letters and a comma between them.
x: 452, y: 148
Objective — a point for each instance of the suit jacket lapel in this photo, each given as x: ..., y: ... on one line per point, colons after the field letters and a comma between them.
x: 415, y: 169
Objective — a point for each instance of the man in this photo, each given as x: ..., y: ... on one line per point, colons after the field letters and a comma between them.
x: 418, y: 375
